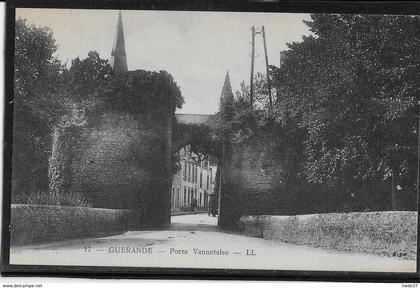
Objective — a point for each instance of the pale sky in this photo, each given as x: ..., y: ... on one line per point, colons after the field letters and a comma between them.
x: 197, y: 48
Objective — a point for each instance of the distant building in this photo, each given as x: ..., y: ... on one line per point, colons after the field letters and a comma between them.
x: 194, y: 180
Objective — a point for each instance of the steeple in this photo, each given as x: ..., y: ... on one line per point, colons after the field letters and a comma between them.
x: 226, y: 99
x: 227, y: 94
x: 118, y: 59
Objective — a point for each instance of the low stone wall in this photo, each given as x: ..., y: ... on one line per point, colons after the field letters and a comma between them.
x: 388, y: 233
x: 33, y: 224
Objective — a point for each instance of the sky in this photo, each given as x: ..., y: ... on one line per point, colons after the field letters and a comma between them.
x: 197, y: 48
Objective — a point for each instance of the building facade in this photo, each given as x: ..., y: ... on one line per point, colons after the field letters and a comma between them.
x: 194, y: 180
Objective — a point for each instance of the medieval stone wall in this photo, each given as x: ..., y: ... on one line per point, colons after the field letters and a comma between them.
x: 119, y: 158
x: 58, y: 223
x: 250, y: 183
x: 107, y: 166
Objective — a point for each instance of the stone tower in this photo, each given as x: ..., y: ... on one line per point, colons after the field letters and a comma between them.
x: 118, y: 59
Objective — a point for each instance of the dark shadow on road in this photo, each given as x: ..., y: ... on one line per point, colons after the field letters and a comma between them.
x: 193, y: 227
x: 194, y: 222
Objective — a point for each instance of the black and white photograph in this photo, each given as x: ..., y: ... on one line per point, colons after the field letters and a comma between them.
x: 238, y: 140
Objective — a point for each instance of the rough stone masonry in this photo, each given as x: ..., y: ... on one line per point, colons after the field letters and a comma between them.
x: 119, y: 158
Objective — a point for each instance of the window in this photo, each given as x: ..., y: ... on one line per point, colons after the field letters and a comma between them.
x: 185, y: 194
x: 189, y: 172
x: 177, y: 197
x: 205, y: 199
x: 201, y: 179
x: 196, y: 173
x: 208, y: 182
x: 173, y: 196
x: 185, y: 171
x: 188, y: 199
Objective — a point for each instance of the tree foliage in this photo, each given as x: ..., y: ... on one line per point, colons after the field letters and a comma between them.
x: 86, y: 76
x: 46, y: 95
x: 352, y: 86
x: 37, y: 104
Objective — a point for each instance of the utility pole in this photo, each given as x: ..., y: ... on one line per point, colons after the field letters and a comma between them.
x: 266, y: 67
x: 280, y: 60
x: 251, y: 81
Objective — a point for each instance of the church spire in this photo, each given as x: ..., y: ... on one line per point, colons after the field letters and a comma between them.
x: 118, y: 59
x: 227, y: 94
x: 226, y: 99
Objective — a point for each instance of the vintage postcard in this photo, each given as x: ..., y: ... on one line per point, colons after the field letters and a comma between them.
x: 214, y: 140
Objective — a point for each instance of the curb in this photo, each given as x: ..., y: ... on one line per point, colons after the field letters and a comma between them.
x: 188, y: 213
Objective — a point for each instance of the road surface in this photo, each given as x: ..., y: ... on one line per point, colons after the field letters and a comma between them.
x: 193, y: 241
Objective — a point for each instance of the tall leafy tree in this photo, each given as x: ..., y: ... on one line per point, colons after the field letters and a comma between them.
x: 352, y: 86
x: 37, y: 103
x: 47, y: 95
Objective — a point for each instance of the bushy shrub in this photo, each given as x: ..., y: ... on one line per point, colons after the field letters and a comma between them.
x: 385, y: 233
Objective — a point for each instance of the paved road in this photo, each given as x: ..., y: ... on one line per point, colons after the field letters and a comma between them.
x: 189, y: 243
